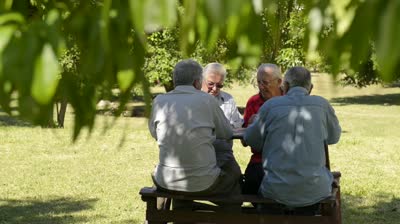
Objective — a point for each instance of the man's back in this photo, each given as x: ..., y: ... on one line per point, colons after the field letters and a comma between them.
x: 185, y: 122
x: 295, y: 127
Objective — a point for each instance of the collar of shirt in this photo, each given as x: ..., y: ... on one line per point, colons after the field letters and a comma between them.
x: 297, y: 91
x: 219, y: 97
x: 185, y: 89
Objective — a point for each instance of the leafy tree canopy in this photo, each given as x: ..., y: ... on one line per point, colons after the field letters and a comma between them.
x: 112, y: 38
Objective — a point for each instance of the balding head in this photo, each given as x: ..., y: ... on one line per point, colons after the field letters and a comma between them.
x: 186, y: 72
x: 298, y: 76
x: 269, y: 80
x: 268, y: 69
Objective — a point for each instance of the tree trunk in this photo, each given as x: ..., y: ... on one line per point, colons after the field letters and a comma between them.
x: 61, y: 113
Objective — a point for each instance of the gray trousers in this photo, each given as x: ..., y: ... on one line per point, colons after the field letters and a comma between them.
x: 227, y: 183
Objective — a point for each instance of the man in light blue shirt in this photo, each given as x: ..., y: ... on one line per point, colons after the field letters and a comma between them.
x: 291, y: 131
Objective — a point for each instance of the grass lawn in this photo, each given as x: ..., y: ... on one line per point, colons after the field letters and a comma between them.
x: 44, y: 178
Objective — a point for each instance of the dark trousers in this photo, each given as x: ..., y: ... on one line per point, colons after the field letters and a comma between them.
x: 252, y: 178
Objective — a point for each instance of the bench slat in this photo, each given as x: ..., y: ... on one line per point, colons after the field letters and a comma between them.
x: 152, y: 192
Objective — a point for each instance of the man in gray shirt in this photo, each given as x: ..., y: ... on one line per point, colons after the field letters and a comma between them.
x: 291, y: 131
x: 185, y: 122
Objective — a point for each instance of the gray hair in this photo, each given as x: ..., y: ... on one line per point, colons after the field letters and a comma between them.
x: 298, y: 76
x: 186, y: 72
x: 275, y: 70
x: 216, y: 68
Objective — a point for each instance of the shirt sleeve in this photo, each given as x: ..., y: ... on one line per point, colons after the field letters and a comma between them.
x: 248, y: 111
x: 334, y: 129
x: 223, y: 129
x: 152, y: 123
x: 236, y: 118
x: 255, y: 133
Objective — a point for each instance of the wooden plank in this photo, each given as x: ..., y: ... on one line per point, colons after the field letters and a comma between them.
x: 152, y: 192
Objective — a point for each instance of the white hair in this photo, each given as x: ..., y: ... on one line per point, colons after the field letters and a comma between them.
x: 275, y: 70
x: 216, y: 68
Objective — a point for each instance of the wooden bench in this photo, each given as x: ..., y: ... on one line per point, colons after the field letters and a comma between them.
x: 330, y: 209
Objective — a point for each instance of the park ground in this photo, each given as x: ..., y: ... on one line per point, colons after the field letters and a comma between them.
x: 45, y: 178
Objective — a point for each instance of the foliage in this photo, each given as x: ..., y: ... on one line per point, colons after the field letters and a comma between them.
x: 353, y: 26
x: 285, y: 34
x: 112, y: 38
x: 163, y: 53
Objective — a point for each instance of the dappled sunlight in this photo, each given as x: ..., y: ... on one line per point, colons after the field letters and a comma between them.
x: 358, y: 209
x: 297, y: 118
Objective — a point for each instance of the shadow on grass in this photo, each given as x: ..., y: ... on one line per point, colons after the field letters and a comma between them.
x: 37, y: 211
x: 385, y: 210
x: 6, y: 120
x: 387, y: 99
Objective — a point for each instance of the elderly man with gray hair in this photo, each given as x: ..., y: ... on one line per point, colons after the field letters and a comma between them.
x: 291, y: 131
x: 214, y: 75
x: 185, y: 122
x: 269, y: 82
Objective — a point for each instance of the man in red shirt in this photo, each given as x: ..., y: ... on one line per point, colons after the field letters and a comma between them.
x: 269, y: 82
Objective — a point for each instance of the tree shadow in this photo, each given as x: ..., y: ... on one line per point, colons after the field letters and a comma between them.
x: 6, y: 120
x: 57, y: 210
x: 385, y: 210
x: 386, y: 99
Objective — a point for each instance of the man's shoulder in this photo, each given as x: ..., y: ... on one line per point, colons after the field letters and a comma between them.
x: 193, y: 94
x: 226, y: 96
x: 254, y: 98
x: 318, y: 99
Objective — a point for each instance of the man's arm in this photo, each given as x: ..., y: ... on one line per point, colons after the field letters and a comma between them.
x: 248, y: 113
x: 334, y: 129
x: 152, y: 123
x: 236, y: 118
x: 223, y: 129
x: 256, y: 132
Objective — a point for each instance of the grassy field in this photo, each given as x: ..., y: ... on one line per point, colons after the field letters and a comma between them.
x: 44, y: 178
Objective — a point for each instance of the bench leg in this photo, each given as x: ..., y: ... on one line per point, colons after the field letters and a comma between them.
x: 334, y: 211
x: 153, y: 205
x: 338, y: 208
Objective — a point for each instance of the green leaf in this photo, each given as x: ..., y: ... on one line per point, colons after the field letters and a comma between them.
x: 387, y: 50
x: 52, y: 17
x: 125, y: 79
x: 46, y: 75
x: 6, y: 4
x: 151, y: 15
x: 6, y: 34
x: 11, y: 17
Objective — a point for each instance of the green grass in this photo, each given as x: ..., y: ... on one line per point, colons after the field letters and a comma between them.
x: 44, y: 178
